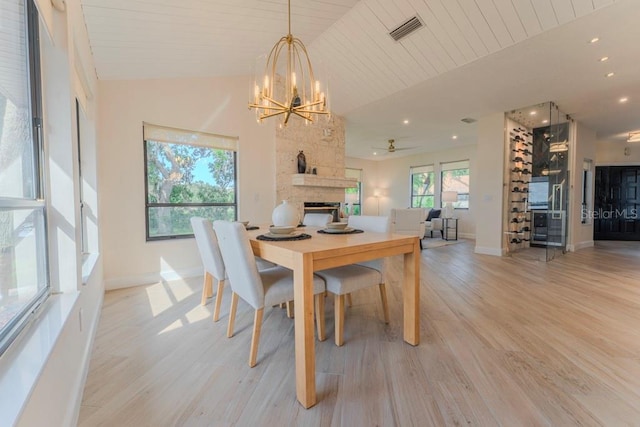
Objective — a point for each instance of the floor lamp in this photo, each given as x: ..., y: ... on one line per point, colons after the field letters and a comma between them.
x: 448, y: 198
x: 376, y: 194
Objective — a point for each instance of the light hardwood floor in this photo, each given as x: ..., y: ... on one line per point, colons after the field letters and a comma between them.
x: 504, y: 341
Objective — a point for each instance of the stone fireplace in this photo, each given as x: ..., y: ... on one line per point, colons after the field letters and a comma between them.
x: 323, y: 144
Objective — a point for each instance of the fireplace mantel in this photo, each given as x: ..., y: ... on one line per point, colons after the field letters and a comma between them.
x: 309, y: 180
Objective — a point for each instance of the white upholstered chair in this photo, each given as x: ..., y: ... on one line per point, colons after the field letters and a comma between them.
x: 317, y: 219
x: 267, y: 287
x: 342, y: 281
x: 409, y: 221
x: 433, y: 222
x: 211, y: 260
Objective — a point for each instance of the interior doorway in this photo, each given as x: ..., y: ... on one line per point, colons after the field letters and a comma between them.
x: 616, y: 204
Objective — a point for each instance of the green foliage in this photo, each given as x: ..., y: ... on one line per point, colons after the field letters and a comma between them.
x: 172, y: 178
x: 422, y: 190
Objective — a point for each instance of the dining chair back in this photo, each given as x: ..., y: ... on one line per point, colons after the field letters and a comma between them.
x: 317, y: 219
x: 409, y: 221
x: 241, y: 264
x: 342, y: 281
x: 259, y: 288
x: 376, y: 224
x: 212, y: 262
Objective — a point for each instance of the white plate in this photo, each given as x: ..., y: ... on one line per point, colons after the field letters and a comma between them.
x: 282, y: 236
x: 337, y: 230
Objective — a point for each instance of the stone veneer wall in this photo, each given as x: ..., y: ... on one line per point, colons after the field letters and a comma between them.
x: 323, y: 144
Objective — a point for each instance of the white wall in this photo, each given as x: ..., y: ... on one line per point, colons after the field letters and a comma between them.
x: 489, y: 184
x: 580, y: 235
x: 216, y: 105
x: 370, y: 184
x: 392, y: 178
x: 610, y: 153
x: 54, y: 397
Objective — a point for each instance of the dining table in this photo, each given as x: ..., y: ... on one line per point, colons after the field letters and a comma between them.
x: 322, y: 251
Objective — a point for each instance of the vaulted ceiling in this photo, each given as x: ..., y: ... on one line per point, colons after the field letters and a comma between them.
x: 472, y: 57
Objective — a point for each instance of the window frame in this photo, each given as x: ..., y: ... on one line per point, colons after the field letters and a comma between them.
x: 149, y: 205
x: 16, y: 324
x: 415, y: 170
x: 443, y: 169
x: 357, y: 173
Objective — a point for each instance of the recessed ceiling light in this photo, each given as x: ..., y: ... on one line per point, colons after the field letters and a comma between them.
x: 454, y: 137
x: 623, y: 99
x: 604, y: 58
x: 375, y: 154
x: 545, y: 121
x: 406, y: 122
x: 533, y: 113
x: 611, y: 74
x: 594, y: 40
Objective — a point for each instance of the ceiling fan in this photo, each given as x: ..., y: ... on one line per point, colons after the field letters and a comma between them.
x: 392, y: 148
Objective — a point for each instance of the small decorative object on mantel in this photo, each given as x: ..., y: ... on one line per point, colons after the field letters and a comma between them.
x: 302, y: 162
x: 285, y: 214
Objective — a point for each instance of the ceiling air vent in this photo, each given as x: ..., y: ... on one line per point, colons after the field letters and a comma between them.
x: 406, y: 28
x: 468, y: 120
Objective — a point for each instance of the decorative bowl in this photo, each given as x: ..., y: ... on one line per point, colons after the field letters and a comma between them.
x: 245, y: 223
x: 337, y: 225
x: 282, y: 229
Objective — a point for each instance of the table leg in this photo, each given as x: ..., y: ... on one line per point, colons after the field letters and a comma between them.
x: 411, y: 295
x: 304, y: 334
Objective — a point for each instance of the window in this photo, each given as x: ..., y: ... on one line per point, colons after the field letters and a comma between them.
x: 187, y: 174
x: 455, y: 177
x: 24, y: 281
x: 585, y: 217
x: 423, y: 186
x: 353, y: 196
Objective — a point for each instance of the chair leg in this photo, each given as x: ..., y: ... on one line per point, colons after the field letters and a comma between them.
x: 320, y: 316
x: 385, y: 306
x: 255, y: 338
x: 349, y: 302
x: 420, y: 244
x: 339, y: 319
x: 232, y: 314
x: 290, y: 309
x: 207, y: 288
x: 216, y: 309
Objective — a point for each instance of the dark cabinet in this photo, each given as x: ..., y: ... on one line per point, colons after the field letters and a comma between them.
x: 616, y: 203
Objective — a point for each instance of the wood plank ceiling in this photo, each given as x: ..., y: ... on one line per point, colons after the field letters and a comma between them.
x: 168, y: 38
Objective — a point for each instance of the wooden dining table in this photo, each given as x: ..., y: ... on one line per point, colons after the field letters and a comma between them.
x: 323, y: 251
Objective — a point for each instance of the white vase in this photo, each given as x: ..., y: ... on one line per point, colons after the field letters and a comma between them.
x: 285, y: 214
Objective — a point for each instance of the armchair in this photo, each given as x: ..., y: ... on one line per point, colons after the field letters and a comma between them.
x: 433, y: 222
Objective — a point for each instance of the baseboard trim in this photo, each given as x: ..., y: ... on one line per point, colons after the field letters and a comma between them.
x: 470, y: 236
x: 483, y: 250
x: 580, y: 245
x: 149, y: 278
x: 74, y: 413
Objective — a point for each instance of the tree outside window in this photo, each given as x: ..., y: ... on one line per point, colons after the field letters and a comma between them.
x: 455, y: 177
x: 422, y: 187
x: 186, y: 180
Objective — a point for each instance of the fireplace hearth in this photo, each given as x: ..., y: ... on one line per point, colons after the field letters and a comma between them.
x: 332, y: 208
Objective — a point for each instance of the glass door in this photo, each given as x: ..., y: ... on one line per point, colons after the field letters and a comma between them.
x: 556, y: 144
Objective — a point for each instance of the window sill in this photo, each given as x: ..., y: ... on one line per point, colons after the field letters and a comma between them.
x: 23, y: 362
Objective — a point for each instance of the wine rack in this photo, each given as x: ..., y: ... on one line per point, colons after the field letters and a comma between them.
x: 519, y: 227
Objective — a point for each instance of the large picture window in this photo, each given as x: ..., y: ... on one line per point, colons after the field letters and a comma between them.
x: 455, y: 177
x: 187, y: 174
x: 422, y: 187
x: 24, y: 281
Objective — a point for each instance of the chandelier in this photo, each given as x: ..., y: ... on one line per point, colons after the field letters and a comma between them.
x: 302, y: 95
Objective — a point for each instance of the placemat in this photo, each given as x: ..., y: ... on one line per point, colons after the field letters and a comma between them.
x: 302, y: 236
x: 354, y: 231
